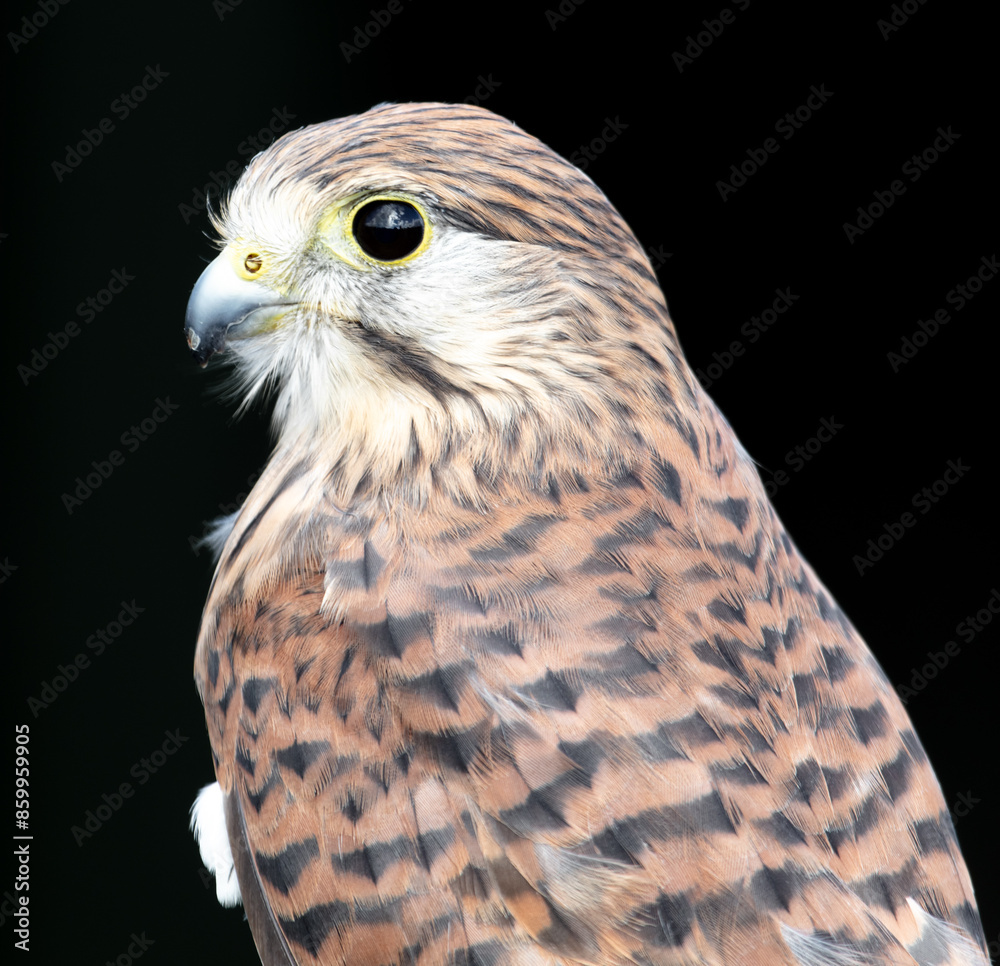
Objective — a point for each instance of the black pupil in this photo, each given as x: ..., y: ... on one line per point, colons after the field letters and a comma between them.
x: 388, y: 230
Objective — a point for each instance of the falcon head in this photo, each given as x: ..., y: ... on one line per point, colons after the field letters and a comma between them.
x: 426, y: 277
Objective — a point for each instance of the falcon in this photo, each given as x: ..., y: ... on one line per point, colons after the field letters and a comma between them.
x: 507, y: 659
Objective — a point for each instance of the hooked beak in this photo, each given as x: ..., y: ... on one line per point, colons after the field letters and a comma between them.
x: 224, y: 307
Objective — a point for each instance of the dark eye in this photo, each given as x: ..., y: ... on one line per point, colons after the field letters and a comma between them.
x: 388, y: 230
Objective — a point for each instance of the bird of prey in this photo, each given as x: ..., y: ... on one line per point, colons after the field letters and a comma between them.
x: 507, y: 659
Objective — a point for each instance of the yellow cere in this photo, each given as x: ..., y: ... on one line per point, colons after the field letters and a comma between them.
x: 249, y: 262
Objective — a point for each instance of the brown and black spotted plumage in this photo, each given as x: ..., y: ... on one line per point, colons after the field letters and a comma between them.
x: 508, y: 659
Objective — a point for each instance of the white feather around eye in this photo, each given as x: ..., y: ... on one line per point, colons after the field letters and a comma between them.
x: 208, y: 822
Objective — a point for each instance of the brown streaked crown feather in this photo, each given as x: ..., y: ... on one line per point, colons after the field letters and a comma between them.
x: 508, y: 659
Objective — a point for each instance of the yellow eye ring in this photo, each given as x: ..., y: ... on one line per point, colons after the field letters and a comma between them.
x: 388, y: 229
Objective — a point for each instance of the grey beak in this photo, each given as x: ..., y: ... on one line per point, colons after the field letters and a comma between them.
x: 224, y: 307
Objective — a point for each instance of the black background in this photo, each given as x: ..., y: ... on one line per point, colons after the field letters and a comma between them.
x: 222, y: 77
